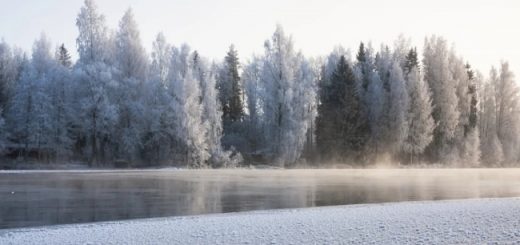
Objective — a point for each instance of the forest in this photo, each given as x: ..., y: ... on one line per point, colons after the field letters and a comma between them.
x: 119, y: 104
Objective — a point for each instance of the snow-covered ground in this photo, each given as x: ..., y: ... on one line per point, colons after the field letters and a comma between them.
x: 442, y: 222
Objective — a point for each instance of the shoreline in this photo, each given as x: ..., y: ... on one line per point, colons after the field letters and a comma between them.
x: 447, y: 221
x: 173, y: 169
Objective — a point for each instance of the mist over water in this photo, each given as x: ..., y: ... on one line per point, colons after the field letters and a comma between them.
x: 43, y: 198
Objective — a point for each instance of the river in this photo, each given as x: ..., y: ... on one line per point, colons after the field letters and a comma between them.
x: 37, y: 198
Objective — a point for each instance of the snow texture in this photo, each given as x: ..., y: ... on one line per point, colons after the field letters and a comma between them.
x: 472, y: 221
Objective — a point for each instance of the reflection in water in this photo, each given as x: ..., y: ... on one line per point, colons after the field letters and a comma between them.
x: 33, y: 199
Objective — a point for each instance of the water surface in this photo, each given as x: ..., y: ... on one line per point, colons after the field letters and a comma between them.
x: 46, y: 198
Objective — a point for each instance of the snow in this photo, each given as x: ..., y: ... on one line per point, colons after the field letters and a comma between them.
x: 472, y: 221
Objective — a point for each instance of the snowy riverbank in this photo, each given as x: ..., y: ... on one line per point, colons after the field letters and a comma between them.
x: 459, y: 221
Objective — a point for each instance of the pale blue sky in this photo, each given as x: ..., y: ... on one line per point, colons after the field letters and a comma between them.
x: 484, y: 31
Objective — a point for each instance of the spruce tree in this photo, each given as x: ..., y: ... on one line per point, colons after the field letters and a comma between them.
x: 472, y: 90
x: 341, y: 129
x: 63, y: 56
x: 411, y: 61
x: 361, y: 58
x: 236, y: 109
x: 230, y: 88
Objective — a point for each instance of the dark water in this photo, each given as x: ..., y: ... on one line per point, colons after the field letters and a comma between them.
x: 45, y: 198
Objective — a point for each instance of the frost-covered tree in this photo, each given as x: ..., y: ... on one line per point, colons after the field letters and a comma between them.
x: 420, y: 121
x: 466, y: 135
x: 114, y: 103
x: 93, y: 73
x: 30, y: 120
x: 397, y: 125
x: 59, y: 89
x: 131, y: 62
x: 288, y: 91
x: 9, y: 71
x: 131, y: 58
x: 460, y: 77
x: 507, y: 112
x: 158, y: 119
x: 251, y: 76
x: 373, y: 97
x: 490, y: 145
x: 212, y: 113
x: 22, y: 110
x: 185, y: 89
x: 304, y: 107
x: 401, y: 50
x: 470, y: 150
x: 472, y: 146
x: 92, y: 39
x: 383, y: 62
x: 445, y: 113
x: 97, y: 115
x: 161, y: 56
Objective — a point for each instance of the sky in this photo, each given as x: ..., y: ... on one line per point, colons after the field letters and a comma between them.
x: 483, y: 32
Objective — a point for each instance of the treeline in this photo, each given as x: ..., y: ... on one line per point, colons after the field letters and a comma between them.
x: 117, y: 103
